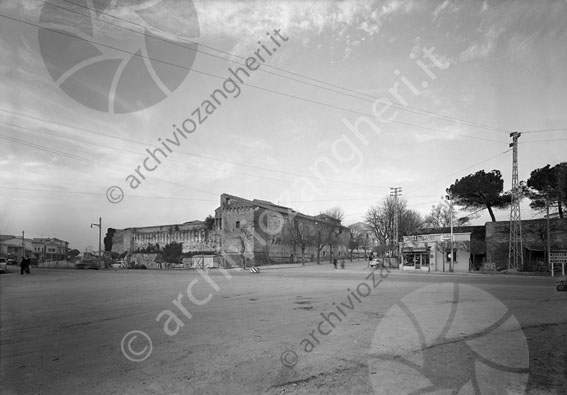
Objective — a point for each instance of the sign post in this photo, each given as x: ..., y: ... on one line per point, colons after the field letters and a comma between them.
x: 558, y: 257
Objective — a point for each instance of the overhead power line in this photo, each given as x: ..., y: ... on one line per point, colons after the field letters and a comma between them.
x: 368, y: 97
x: 103, y: 194
x: 93, y: 162
x: 546, y: 130
x: 250, y: 85
x: 58, y: 152
x: 190, y: 154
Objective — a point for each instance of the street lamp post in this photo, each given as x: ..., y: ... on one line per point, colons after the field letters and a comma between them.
x: 451, y: 266
x: 99, y: 225
x: 449, y: 197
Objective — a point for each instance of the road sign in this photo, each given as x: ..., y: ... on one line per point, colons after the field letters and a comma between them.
x: 557, y: 258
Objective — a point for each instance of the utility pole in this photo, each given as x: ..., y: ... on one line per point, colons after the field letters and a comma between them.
x: 450, y: 199
x: 548, y: 236
x: 515, y: 250
x: 23, y: 245
x: 99, y: 225
x: 395, y: 192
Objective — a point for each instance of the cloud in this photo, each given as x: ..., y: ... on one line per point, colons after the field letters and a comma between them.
x: 483, y: 47
x: 254, y: 144
x: 447, y: 7
x: 245, y: 21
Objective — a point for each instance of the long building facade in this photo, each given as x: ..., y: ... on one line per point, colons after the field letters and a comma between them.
x: 259, y: 232
x: 252, y: 232
x: 194, y: 236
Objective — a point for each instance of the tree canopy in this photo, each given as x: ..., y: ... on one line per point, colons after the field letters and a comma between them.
x: 359, y: 237
x: 172, y: 252
x: 336, y: 213
x: 381, y: 219
x: 440, y: 217
x: 209, y: 222
x: 480, y: 190
x: 73, y: 253
x: 548, y: 185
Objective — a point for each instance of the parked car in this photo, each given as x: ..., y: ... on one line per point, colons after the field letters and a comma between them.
x: 12, y: 260
x: 118, y: 265
x: 3, y: 265
x: 87, y: 264
x: 376, y: 262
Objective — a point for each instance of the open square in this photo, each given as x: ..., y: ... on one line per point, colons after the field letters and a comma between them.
x: 303, y: 329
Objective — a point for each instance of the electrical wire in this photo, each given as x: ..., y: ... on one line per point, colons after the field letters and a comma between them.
x: 399, y: 106
x: 256, y: 175
x: 546, y: 130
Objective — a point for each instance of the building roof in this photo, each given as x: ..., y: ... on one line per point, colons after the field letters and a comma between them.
x: 47, y: 240
x: 280, y: 209
x: 475, y: 231
x: 188, y: 223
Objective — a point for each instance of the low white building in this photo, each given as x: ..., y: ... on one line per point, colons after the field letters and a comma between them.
x: 432, y: 252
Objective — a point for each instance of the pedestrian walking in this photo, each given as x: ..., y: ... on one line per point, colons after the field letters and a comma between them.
x: 343, y: 263
x: 25, y: 265
x: 335, y: 262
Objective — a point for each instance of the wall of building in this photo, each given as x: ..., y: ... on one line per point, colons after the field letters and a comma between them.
x: 237, y: 225
x: 14, y: 247
x: 439, y: 248
x: 194, y: 237
x: 534, y: 236
x: 262, y: 230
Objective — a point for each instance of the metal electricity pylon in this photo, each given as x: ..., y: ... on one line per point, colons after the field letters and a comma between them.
x: 515, y: 254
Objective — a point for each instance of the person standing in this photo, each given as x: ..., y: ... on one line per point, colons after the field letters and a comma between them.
x: 25, y: 265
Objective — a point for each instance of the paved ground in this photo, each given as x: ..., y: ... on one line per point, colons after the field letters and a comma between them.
x: 347, y: 331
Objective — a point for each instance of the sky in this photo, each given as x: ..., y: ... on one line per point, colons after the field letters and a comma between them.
x: 342, y: 101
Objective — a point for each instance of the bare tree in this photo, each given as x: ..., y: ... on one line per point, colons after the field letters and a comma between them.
x: 246, y: 237
x: 359, y: 238
x: 440, y: 216
x: 296, y: 233
x: 381, y: 224
x: 319, y: 235
x: 336, y: 213
x: 381, y: 220
x: 410, y: 222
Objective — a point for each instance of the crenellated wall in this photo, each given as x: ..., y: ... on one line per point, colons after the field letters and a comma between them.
x: 193, y: 235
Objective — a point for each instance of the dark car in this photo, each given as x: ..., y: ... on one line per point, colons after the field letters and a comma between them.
x: 87, y: 264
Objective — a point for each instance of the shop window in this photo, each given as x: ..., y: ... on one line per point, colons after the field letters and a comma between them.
x: 416, y: 259
x: 448, y: 255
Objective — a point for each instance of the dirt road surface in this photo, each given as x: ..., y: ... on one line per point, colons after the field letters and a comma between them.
x: 299, y: 330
